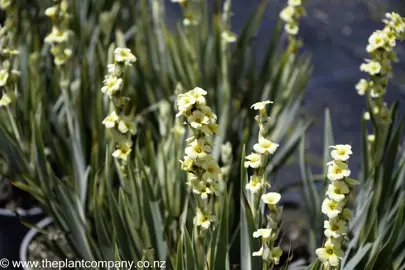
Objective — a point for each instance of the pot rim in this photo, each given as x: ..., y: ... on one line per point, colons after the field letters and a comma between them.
x: 21, y: 211
x: 29, y: 236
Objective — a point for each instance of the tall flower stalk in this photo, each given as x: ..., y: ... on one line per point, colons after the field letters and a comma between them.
x: 61, y: 35
x: 203, y: 170
x: 335, y: 206
x: 121, y: 120
x: 257, y: 185
x: 291, y: 15
x: 61, y: 43
x: 379, y: 66
x: 60, y: 40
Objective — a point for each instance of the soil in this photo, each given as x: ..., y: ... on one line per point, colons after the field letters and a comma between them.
x: 50, y: 245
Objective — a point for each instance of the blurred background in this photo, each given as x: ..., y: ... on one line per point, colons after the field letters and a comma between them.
x: 335, y: 34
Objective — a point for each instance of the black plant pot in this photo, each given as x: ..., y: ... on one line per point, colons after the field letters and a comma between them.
x: 12, y: 231
x: 30, y: 236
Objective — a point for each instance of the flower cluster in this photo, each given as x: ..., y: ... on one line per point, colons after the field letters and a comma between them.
x: 335, y: 207
x: 379, y: 67
x: 268, y: 235
x: 60, y: 36
x: 120, y: 121
x: 8, y: 75
x: 257, y: 161
x: 291, y: 16
x: 203, y: 170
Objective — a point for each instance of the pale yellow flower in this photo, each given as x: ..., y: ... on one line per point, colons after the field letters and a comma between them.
x: 362, y: 87
x: 271, y: 198
x: 258, y: 106
x: 126, y: 124
x: 391, y: 36
x: 377, y: 40
x: 331, y: 208
x: 197, y: 119
x: 187, y: 164
x: 337, y: 190
x: 337, y: 170
x: 123, y: 150
x: 253, y: 160
x: 203, y: 220
x: 263, y: 233
x: 57, y: 36
x: 255, y: 184
x: 371, y: 138
x: 258, y: 253
x: 5, y: 100
x: 372, y: 67
x: 287, y: 14
x: 4, y: 4
x: 366, y: 116
x: 112, y: 85
x: 198, y: 93
x: 203, y: 190
x: 291, y: 28
x: 51, y: 11
x: 207, y: 111
x: 184, y: 102
x: 265, y: 147
x: 212, y: 170
x: 331, y: 252
x: 341, y: 152
x: 210, y: 129
x: 124, y: 55
x: 396, y: 22
x: 198, y: 149
x: 111, y: 120
x: 335, y: 228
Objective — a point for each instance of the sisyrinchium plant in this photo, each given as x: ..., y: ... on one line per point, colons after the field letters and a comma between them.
x: 379, y: 68
x: 372, y: 238
x: 335, y: 207
x: 109, y: 166
x: 257, y: 186
x: 120, y: 121
x: 65, y: 160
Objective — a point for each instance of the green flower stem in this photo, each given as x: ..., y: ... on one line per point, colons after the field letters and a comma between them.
x: 64, y: 85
